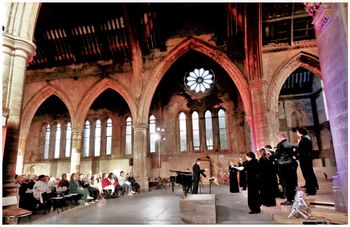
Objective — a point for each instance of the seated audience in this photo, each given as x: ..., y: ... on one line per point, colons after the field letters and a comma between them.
x: 41, y: 189
x: 64, y: 183
x: 107, y: 183
x: 75, y: 187
x: 125, y: 183
x: 26, y: 199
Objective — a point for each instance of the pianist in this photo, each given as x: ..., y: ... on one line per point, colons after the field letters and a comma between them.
x: 197, y: 171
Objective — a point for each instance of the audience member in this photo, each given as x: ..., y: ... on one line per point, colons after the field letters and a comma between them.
x: 64, y: 183
x: 125, y: 183
x: 75, y: 187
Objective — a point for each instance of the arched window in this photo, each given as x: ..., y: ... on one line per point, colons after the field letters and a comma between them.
x: 47, y: 142
x: 183, y: 133
x: 97, y: 138
x: 195, y: 130
x: 68, y: 139
x: 109, y: 137
x: 152, y: 134
x: 128, y: 136
x: 86, y: 139
x: 222, y: 129
x: 209, y: 130
x: 57, y: 141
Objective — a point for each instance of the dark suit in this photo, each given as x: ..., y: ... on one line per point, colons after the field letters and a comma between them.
x: 196, y: 177
x: 287, y: 172
x: 304, y: 155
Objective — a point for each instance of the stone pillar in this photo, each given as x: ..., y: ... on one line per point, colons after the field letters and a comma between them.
x: 260, y: 127
x: 16, y: 53
x: 20, y: 154
x: 140, y: 155
x: 331, y: 25
x: 248, y: 119
x: 76, y: 150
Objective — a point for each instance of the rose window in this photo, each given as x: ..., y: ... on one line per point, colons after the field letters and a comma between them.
x: 199, y: 80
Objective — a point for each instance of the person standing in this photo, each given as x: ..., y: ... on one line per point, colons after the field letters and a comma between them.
x: 242, y: 174
x: 252, y: 168
x: 233, y: 178
x: 304, y: 155
x: 268, y: 179
x: 287, y: 168
x: 197, y: 171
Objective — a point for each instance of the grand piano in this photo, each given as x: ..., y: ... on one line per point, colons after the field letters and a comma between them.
x: 183, y: 178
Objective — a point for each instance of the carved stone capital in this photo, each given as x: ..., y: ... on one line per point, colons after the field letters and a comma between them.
x: 321, y: 12
x: 140, y: 126
x: 18, y: 45
x: 312, y: 7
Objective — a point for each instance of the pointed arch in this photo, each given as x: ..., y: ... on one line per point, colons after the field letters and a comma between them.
x: 96, y: 90
x: 208, y: 50
x: 35, y: 102
x: 23, y: 19
x: 302, y: 59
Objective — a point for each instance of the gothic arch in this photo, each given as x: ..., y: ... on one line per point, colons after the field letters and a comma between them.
x: 203, y: 48
x: 94, y: 92
x: 36, y: 100
x: 302, y: 59
x: 22, y: 17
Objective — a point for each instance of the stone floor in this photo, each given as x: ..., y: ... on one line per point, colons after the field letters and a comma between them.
x: 161, y: 206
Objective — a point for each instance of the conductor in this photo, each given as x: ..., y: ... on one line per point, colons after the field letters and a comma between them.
x: 196, y: 175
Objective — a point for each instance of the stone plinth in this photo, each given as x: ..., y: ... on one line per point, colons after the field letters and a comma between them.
x: 198, y: 209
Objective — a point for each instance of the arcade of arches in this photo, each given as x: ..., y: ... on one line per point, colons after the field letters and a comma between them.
x: 133, y: 89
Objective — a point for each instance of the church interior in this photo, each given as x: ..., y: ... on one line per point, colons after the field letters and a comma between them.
x: 147, y: 88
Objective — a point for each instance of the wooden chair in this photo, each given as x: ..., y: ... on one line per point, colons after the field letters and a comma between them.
x: 11, y: 213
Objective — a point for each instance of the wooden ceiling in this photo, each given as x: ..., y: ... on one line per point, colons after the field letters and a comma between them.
x: 74, y: 33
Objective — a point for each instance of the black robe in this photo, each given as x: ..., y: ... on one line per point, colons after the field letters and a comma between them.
x: 233, y: 179
x: 268, y: 182
x: 252, y: 168
x: 243, y: 176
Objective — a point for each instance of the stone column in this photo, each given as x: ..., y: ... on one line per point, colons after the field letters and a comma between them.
x: 140, y: 155
x: 16, y: 53
x: 21, y: 153
x: 331, y: 25
x: 248, y: 120
x: 76, y: 150
x: 260, y: 127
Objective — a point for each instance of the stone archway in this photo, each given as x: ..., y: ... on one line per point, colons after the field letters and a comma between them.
x: 302, y: 59
x: 209, y: 51
x: 28, y: 113
x: 94, y: 92
x: 34, y: 103
x: 22, y: 19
